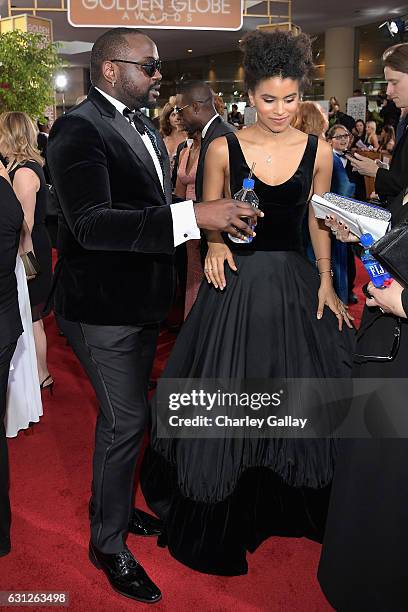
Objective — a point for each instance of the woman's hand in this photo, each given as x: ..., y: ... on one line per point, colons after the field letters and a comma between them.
x: 388, y: 299
x: 328, y: 297
x: 339, y: 230
x: 218, y: 253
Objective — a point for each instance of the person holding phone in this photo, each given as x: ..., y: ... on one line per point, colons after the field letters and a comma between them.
x: 363, y: 562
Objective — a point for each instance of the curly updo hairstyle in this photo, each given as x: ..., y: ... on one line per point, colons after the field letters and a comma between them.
x: 278, y: 53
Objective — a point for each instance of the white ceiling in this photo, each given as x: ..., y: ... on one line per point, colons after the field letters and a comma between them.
x: 312, y: 16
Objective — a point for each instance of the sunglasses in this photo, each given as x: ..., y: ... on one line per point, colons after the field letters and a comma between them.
x: 179, y: 109
x: 150, y: 68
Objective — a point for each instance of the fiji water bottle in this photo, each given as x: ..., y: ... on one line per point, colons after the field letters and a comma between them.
x: 379, y: 277
x: 246, y: 194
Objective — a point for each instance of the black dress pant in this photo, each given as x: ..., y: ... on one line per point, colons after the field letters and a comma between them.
x: 118, y: 360
x: 6, y: 354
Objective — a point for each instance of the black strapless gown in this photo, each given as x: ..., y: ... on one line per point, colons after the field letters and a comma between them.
x: 220, y: 498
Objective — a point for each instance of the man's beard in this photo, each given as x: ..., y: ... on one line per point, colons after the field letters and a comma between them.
x: 142, y: 100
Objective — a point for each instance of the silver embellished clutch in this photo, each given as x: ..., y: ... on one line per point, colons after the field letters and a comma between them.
x: 360, y: 217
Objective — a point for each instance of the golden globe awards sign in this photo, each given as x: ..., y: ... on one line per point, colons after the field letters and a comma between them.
x: 182, y: 14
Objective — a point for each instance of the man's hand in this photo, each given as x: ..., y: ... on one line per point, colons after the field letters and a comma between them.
x: 226, y: 216
x: 389, y: 300
x: 363, y: 165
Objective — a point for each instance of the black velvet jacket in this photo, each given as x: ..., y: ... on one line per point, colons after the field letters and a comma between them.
x: 115, y: 243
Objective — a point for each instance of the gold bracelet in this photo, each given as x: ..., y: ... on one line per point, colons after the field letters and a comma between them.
x: 326, y: 272
x: 327, y: 258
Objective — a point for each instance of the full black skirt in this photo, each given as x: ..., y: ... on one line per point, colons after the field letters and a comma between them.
x: 220, y: 498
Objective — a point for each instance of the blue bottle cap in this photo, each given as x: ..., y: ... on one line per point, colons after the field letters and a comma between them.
x: 248, y: 183
x: 366, y: 240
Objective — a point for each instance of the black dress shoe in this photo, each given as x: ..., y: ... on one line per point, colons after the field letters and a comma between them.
x: 144, y: 524
x: 125, y: 575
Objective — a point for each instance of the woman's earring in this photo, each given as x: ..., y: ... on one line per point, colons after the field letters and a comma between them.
x: 113, y: 83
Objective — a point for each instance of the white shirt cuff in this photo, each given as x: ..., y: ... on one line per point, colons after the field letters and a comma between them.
x: 184, y: 222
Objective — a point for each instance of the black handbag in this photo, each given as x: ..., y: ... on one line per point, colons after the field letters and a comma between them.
x: 391, y: 251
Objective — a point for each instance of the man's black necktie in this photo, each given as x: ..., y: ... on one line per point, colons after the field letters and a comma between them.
x: 135, y: 117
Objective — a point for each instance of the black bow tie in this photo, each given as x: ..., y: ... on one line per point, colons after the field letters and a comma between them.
x: 135, y: 118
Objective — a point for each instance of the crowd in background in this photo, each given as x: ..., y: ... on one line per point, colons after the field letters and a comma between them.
x: 184, y: 127
x: 23, y: 147
x: 377, y: 133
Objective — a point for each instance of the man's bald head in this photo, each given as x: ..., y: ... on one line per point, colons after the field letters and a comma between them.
x: 196, y: 100
x: 196, y: 91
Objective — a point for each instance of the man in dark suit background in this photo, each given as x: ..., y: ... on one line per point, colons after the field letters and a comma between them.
x: 42, y: 142
x: 11, y: 220
x: 195, y: 104
x: 117, y: 235
x: 42, y: 136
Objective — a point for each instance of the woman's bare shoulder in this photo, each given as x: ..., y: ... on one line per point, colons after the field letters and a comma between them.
x: 218, y: 147
x: 324, y: 150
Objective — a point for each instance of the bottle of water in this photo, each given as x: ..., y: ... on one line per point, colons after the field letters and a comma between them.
x: 378, y: 275
x: 246, y: 194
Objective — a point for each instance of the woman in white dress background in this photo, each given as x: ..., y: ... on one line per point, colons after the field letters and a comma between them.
x: 24, y: 404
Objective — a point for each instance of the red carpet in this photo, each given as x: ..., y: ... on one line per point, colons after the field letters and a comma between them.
x: 50, y: 475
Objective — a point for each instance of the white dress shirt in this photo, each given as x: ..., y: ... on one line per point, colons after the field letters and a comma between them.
x: 184, y: 220
x: 343, y: 158
x: 207, y: 125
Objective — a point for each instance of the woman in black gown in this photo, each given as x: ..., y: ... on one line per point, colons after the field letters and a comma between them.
x: 18, y: 143
x: 260, y: 315
x: 11, y: 220
x: 364, y: 558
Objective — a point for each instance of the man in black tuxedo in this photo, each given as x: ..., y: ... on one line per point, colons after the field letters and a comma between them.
x: 117, y: 235
x: 11, y: 219
x: 195, y: 105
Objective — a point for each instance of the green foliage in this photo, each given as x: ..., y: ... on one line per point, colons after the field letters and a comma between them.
x: 28, y: 63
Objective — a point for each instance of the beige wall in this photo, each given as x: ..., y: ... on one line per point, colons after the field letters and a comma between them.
x: 340, y: 59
